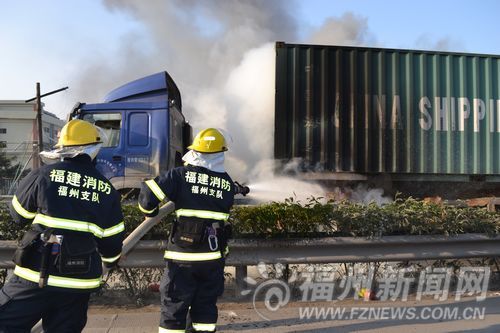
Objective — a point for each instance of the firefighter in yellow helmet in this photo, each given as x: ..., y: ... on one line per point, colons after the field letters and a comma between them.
x: 203, y: 194
x: 76, y: 226
x: 209, y: 141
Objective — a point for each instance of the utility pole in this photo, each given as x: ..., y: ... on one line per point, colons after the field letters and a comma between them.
x: 38, y: 107
x: 38, y: 110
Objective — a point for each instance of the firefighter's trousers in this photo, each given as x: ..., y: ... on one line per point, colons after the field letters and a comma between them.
x: 191, y: 288
x: 23, y: 304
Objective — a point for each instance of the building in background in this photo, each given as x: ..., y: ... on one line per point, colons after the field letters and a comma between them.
x: 18, y: 130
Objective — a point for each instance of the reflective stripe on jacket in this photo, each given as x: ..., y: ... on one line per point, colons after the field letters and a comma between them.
x: 75, y: 225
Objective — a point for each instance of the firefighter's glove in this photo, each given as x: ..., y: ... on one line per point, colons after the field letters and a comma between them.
x: 241, y: 189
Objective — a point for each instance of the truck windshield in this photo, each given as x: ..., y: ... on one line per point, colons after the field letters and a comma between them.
x: 110, y: 123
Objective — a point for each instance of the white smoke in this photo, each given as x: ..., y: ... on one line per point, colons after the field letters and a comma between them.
x: 249, y: 95
x: 221, y: 55
x: 427, y: 42
x: 365, y: 195
x: 349, y: 29
x: 201, y: 62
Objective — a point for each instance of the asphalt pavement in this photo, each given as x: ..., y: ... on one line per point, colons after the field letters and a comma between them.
x: 429, y: 316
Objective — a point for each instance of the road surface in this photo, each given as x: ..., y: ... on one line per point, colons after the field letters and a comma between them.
x: 429, y: 316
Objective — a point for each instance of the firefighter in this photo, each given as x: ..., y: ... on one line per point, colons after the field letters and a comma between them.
x: 203, y: 194
x: 76, y: 226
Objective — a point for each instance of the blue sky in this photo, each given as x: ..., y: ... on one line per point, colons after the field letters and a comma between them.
x: 93, y: 46
x: 470, y: 26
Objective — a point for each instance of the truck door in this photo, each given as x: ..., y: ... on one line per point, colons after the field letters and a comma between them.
x: 138, y: 148
x: 110, y: 160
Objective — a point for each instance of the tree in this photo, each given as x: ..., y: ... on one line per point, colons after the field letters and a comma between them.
x: 7, y: 170
x: 6, y: 167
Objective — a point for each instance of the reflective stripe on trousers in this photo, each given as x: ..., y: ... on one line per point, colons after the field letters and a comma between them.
x: 204, y: 327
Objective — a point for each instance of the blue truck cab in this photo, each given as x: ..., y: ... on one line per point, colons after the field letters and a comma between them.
x: 144, y: 130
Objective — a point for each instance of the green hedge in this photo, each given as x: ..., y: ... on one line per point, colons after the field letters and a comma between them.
x: 401, y: 217
x: 313, y: 218
x: 9, y: 230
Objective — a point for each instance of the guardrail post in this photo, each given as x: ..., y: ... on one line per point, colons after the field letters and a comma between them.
x: 241, y: 274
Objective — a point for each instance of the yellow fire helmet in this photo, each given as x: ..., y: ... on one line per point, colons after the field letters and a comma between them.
x: 208, y: 141
x: 78, y: 132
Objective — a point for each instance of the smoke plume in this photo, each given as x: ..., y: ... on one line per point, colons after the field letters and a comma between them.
x: 427, y: 42
x: 221, y: 55
x: 349, y: 29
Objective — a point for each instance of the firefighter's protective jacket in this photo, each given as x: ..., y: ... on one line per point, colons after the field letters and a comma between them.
x: 78, y: 203
x: 199, y: 194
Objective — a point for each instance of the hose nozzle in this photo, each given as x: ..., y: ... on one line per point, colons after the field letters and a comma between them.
x: 241, y: 189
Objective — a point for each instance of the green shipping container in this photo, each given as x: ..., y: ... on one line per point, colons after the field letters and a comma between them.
x: 372, y: 111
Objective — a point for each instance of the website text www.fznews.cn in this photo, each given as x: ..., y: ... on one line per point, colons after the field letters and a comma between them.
x: 438, y: 313
x: 438, y: 284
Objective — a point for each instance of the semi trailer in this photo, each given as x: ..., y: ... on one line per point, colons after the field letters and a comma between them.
x: 418, y: 122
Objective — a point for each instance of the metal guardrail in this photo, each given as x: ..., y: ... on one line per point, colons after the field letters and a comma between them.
x: 148, y: 254
x: 350, y: 249
x: 7, y: 249
x: 5, y: 198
